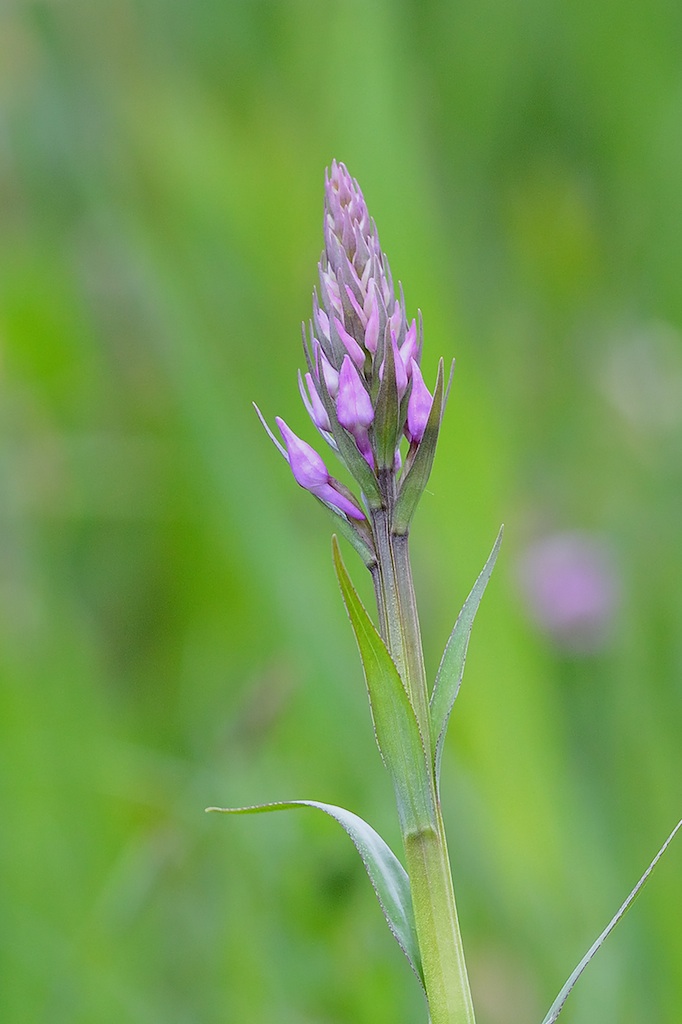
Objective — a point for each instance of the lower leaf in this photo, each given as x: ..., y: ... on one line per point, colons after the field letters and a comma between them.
x: 387, y: 875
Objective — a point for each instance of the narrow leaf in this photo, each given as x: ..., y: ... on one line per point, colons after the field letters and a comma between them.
x: 558, y: 1004
x: 387, y: 875
x: 417, y: 477
x: 451, y: 668
x: 395, y: 724
x: 280, y: 448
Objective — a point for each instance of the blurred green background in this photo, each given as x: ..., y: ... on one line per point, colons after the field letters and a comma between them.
x: 171, y: 635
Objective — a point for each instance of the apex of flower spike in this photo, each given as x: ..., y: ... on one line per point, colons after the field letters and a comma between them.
x: 362, y: 386
x: 311, y: 473
x: 346, y: 213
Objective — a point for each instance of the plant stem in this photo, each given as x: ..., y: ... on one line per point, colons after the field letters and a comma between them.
x: 428, y: 865
x: 440, y: 942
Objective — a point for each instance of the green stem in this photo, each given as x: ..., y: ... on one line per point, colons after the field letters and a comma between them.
x: 428, y: 865
x: 412, y: 638
x: 440, y: 941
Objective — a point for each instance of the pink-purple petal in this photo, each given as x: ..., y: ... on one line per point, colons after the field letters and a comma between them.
x: 418, y: 406
x: 307, y: 466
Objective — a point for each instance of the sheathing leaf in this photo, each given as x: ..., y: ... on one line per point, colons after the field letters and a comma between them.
x: 395, y: 724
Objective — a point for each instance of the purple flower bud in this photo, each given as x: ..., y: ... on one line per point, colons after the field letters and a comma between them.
x: 408, y: 349
x: 372, y: 326
x: 359, y: 311
x: 318, y: 413
x: 331, y: 296
x: 350, y: 344
x: 331, y: 496
x: 320, y: 318
x: 345, y: 208
x: 311, y: 473
x: 353, y: 406
x: 400, y: 371
x: 418, y: 405
x: 307, y: 466
x: 331, y: 376
x: 396, y: 319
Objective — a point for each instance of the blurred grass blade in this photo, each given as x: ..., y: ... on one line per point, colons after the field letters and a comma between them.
x: 558, y: 1004
x: 387, y: 875
x: 395, y: 724
x: 451, y: 668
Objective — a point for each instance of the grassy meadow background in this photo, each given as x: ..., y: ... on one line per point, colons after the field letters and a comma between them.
x: 171, y: 635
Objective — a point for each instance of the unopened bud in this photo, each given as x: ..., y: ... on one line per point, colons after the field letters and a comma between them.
x: 354, y: 408
x: 408, y: 349
x: 372, y: 326
x: 323, y: 366
x: 350, y: 344
x: 318, y: 413
x: 311, y: 473
x: 418, y: 405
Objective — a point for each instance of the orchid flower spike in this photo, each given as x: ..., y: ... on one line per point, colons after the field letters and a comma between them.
x: 359, y: 326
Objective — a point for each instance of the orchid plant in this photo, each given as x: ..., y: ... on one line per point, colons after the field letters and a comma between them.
x: 365, y: 394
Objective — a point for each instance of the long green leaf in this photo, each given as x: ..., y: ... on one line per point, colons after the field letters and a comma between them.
x: 395, y: 724
x: 451, y: 668
x: 558, y: 1004
x: 387, y: 875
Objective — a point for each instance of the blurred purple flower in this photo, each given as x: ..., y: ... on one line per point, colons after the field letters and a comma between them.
x: 571, y: 589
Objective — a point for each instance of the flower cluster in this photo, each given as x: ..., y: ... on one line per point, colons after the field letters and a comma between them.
x: 363, y: 387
